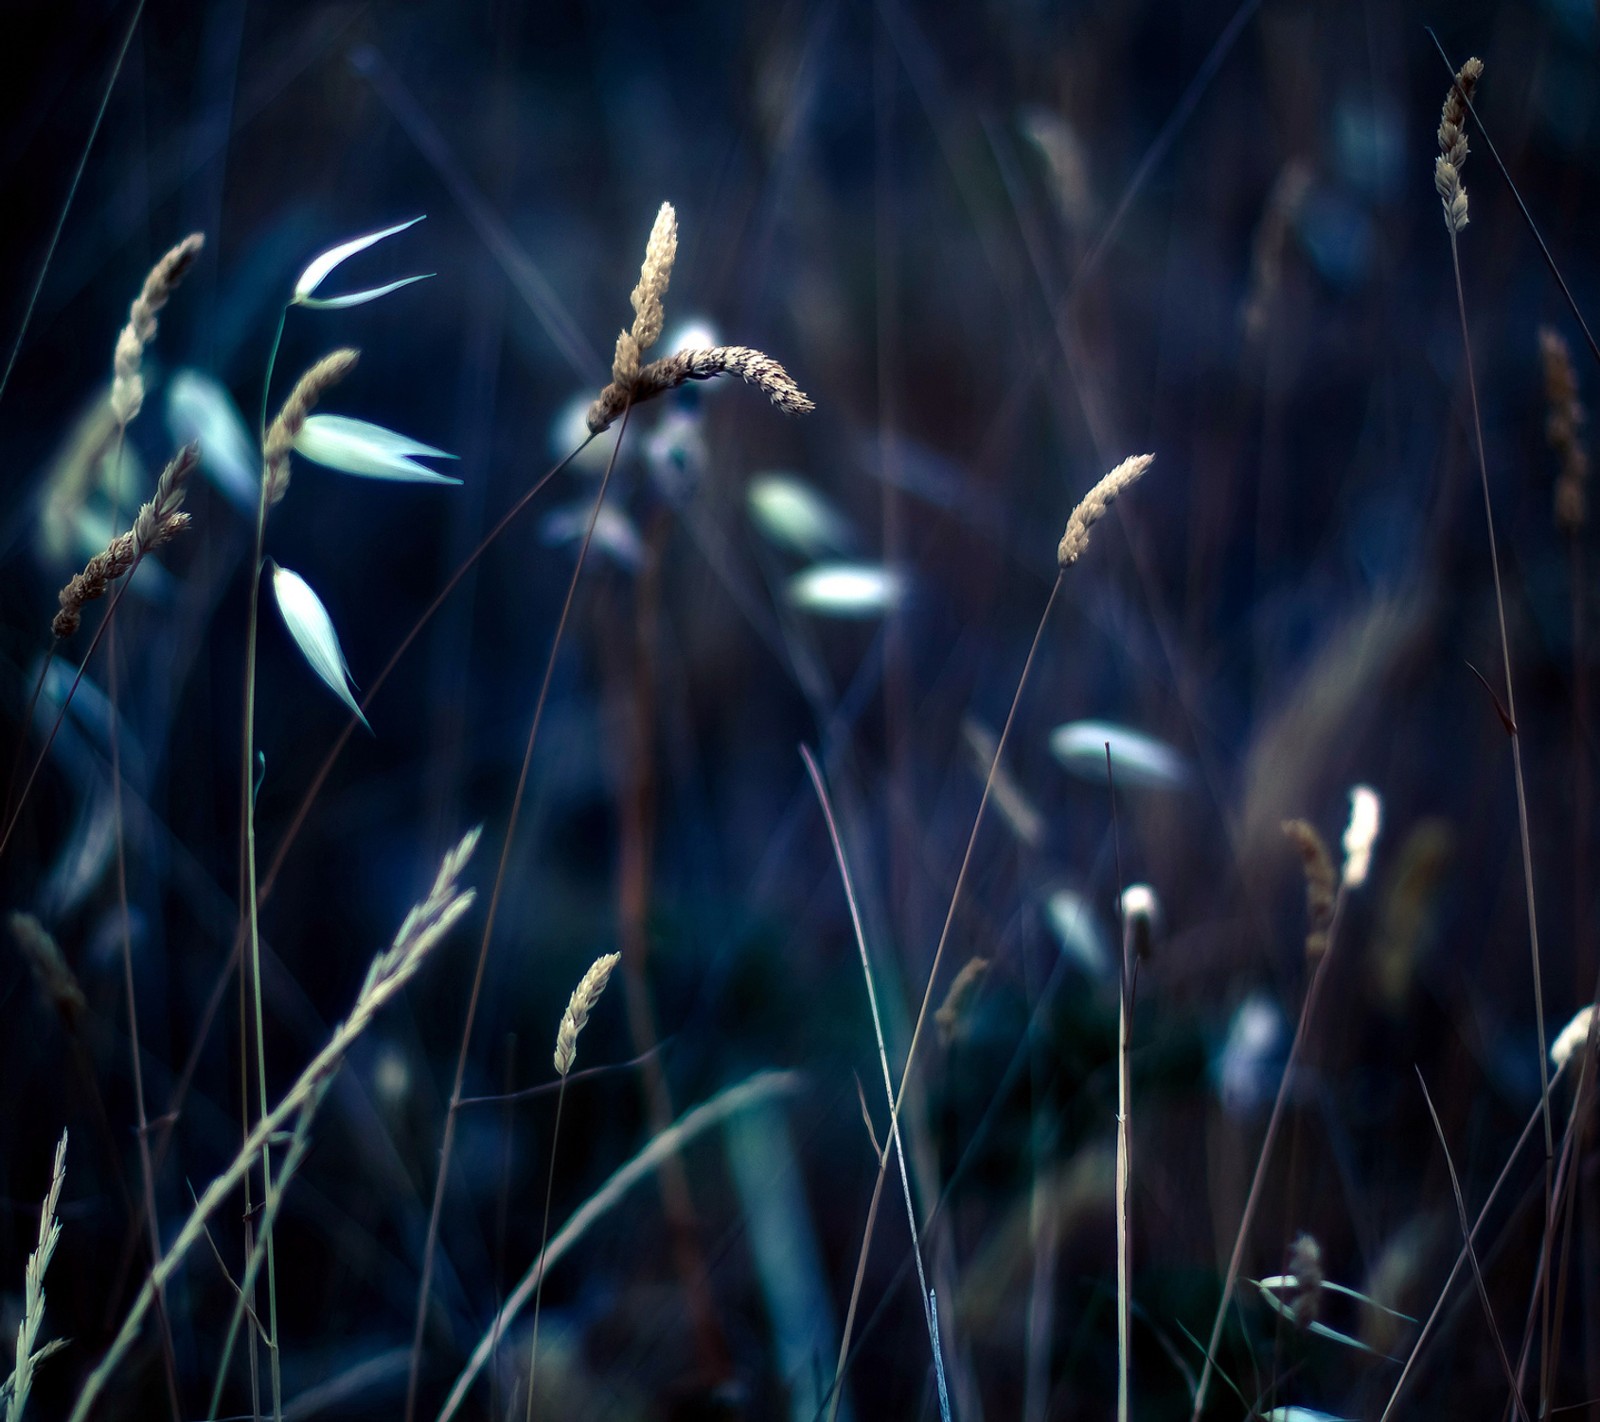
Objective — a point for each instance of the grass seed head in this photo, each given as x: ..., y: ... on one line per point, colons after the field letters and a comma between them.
x: 1093, y: 507
x: 1321, y: 883
x: 157, y: 522
x: 127, y: 382
x: 1453, y: 145
x: 579, y: 1006
x: 310, y: 388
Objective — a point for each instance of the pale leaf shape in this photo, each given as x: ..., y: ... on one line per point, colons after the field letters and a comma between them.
x: 200, y: 409
x: 791, y: 513
x: 1136, y: 759
x: 848, y: 590
x: 368, y: 450
x: 315, y: 274
x: 312, y: 629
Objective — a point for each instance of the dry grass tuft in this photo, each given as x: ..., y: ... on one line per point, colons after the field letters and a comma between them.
x: 50, y: 970
x: 157, y: 522
x: 631, y: 383
x: 1453, y: 145
x: 127, y: 384
x: 281, y: 435
x: 579, y: 1006
x: 1094, y: 505
x: 1564, y: 423
x: 1321, y: 883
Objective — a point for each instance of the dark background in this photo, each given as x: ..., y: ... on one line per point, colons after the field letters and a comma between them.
x: 1290, y: 598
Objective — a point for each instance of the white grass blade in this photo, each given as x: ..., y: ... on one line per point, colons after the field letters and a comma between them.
x: 200, y: 409
x: 312, y: 629
x: 315, y: 274
x: 370, y: 451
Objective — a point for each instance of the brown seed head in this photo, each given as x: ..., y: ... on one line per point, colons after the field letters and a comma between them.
x: 1321, y: 883
x: 55, y: 979
x: 281, y: 435
x: 752, y: 366
x: 156, y: 523
x: 1564, y: 422
x: 951, y: 1016
x: 127, y: 384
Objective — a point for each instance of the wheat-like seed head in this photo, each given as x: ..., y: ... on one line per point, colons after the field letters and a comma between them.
x: 579, y: 1006
x: 752, y: 366
x: 1564, y: 422
x: 127, y: 384
x: 33, y: 1288
x: 1094, y: 505
x: 1321, y: 883
x: 156, y: 523
x: 281, y: 435
x: 55, y: 979
x: 1453, y: 145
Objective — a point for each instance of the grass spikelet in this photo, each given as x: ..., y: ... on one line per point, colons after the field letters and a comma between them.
x: 291, y: 420
x: 951, y: 1018
x: 631, y: 383
x: 1321, y: 883
x: 1564, y: 421
x: 127, y: 383
x: 33, y: 1288
x: 579, y: 1006
x: 1094, y: 505
x: 55, y: 979
x: 1453, y: 145
x: 659, y: 254
x: 156, y: 523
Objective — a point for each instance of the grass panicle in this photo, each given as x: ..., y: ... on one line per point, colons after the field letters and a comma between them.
x: 1453, y: 146
x: 751, y: 366
x: 951, y: 1018
x: 291, y: 419
x: 157, y: 522
x: 1092, y: 508
x: 1321, y: 883
x: 127, y: 381
x: 1565, y: 418
x: 633, y: 383
x: 49, y: 966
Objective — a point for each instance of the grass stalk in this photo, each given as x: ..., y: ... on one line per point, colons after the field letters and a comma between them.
x: 430, y: 1245
x: 1515, y: 732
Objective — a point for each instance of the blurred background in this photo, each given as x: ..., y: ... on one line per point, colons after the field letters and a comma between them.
x: 1002, y: 246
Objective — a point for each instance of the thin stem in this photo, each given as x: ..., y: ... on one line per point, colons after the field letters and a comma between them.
x: 1124, y: 1111
x: 949, y: 919
x: 250, y: 907
x: 1472, y: 1255
x: 895, y: 1140
x: 1522, y: 792
x: 544, y: 1239
x: 1253, y: 1199
x: 447, y: 1143
x: 72, y: 191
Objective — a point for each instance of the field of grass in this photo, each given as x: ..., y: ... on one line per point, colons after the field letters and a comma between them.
x: 811, y: 712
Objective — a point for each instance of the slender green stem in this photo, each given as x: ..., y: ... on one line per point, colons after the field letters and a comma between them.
x: 544, y: 1239
x: 247, y: 811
